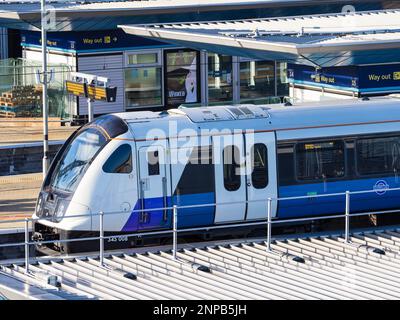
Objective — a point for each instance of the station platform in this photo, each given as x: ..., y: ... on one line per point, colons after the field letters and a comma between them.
x: 18, y: 196
x: 20, y: 133
x: 21, y: 145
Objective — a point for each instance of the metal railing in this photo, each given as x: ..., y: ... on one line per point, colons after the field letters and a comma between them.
x: 269, y: 222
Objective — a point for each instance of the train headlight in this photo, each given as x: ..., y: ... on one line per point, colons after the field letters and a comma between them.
x: 61, y: 208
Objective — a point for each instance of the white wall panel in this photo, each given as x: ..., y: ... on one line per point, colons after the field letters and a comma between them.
x: 53, y: 57
x: 110, y: 66
x: 305, y: 95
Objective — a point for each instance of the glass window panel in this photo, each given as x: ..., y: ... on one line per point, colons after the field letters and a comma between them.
x: 153, y: 162
x: 76, y: 159
x: 200, y: 168
x: 142, y: 58
x: 380, y: 155
x: 282, y: 80
x: 219, y: 78
x: 182, y: 77
x: 231, y: 161
x: 320, y: 160
x: 257, y: 81
x: 143, y: 87
x: 259, y: 175
x: 120, y: 161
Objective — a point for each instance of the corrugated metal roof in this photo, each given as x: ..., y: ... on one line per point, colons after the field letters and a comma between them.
x: 311, y: 24
x: 315, y: 37
x: 97, y: 14
x: 64, y: 5
x: 21, y: 6
x: 34, y: 5
x: 320, y: 267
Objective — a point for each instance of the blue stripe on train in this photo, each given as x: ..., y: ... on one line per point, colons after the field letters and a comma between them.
x: 331, y: 205
x: 204, y: 216
x: 187, y: 218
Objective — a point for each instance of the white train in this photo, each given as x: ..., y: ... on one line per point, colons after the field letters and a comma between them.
x: 124, y: 163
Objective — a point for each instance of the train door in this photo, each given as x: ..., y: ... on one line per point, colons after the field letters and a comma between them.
x: 261, y: 177
x: 192, y: 181
x: 153, y: 189
x: 230, y: 182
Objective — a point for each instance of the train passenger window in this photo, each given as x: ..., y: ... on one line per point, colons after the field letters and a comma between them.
x: 153, y: 162
x: 378, y: 155
x: 320, y: 160
x: 231, y: 161
x: 200, y: 168
x: 120, y: 161
x: 259, y: 160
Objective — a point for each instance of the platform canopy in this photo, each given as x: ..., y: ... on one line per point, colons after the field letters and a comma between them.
x: 86, y: 15
x: 368, y: 37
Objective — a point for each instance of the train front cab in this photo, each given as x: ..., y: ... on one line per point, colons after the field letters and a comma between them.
x: 68, y: 197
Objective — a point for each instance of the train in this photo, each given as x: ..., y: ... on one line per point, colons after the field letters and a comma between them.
x: 218, y: 165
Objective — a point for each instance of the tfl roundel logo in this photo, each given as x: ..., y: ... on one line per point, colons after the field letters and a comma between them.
x: 381, y: 187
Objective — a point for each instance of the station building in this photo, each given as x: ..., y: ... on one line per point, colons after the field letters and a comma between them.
x: 154, y: 73
x: 328, y: 56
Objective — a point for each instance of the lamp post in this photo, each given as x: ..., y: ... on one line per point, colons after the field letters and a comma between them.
x: 44, y: 89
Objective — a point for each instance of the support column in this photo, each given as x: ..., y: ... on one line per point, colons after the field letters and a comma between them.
x: 45, y: 105
x: 204, y: 77
x: 236, y: 80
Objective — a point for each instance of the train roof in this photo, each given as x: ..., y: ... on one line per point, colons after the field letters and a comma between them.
x: 341, y: 113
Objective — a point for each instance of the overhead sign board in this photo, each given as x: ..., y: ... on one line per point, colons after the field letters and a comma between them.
x: 76, y: 89
x: 103, y: 94
x: 338, y: 77
x: 89, y: 40
x: 362, y: 79
x: 91, y: 87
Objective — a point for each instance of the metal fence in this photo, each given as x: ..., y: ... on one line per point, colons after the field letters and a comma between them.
x: 269, y: 222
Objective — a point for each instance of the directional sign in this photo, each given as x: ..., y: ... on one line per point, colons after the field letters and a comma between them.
x: 76, y: 89
x: 100, y: 93
x: 97, y: 93
x: 91, y: 87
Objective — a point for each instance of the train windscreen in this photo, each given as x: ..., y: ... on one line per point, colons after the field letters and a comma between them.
x: 76, y: 158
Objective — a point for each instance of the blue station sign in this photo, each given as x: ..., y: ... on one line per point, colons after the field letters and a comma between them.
x: 106, y: 40
x: 360, y: 79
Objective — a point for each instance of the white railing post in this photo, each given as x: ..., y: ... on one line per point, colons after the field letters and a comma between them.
x: 101, y: 214
x: 347, y: 218
x: 175, y: 231
x: 269, y: 227
x: 26, y: 245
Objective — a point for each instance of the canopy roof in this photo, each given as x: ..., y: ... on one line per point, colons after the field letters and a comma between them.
x: 322, y: 40
x: 99, y: 14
